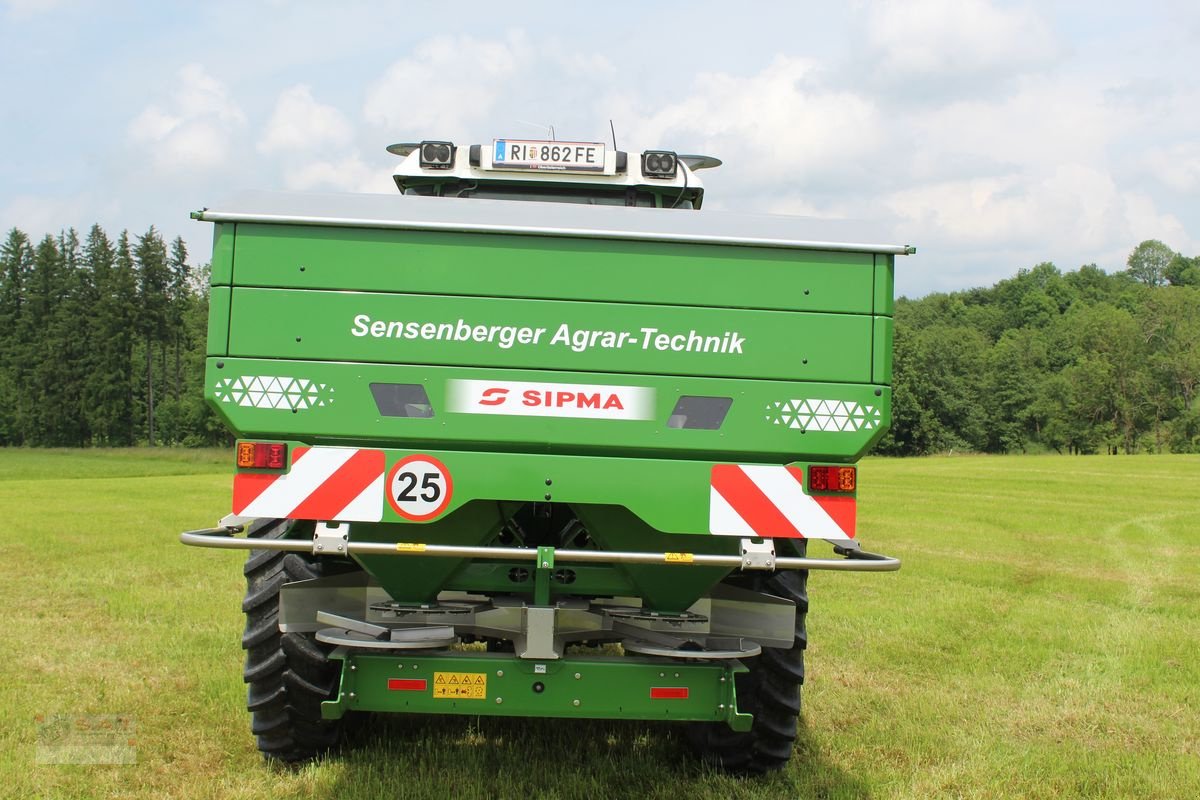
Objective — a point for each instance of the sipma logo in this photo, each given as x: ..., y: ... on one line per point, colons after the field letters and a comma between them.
x: 494, y: 396
x: 551, y: 399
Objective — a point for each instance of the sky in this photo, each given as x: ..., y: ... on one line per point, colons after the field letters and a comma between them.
x: 990, y: 135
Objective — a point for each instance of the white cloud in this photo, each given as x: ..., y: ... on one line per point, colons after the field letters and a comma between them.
x: 195, y: 129
x: 782, y: 126
x: 955, y: 39
x: 1073, y: 202
x: 447, y: 85
x: 1177, y: 166
x: 300, y: 124
x: 349, y: 174
x: 1071, y: 214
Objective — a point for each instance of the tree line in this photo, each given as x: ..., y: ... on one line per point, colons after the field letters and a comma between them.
x: 102, y: 344
x: 1076, y: 362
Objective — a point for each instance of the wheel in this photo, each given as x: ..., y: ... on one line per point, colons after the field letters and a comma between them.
x: 289, y: 674
x: 770, y: 691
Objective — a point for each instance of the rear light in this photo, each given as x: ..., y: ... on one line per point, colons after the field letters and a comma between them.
x: 668, y: 693
x: 261, y: 455
x: 832, y: 479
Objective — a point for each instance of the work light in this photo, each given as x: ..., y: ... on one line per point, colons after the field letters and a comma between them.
x: 659, y: 164
x: 437, y: 155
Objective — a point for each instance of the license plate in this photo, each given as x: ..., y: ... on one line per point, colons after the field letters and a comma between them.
x: 523, y: 154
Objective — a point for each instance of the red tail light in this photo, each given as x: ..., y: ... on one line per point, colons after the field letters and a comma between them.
x: 668, y: 693
x: 832, y: 479
x: 261, y: 455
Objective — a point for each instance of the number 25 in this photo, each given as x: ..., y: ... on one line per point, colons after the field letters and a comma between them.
x: 432, y: 490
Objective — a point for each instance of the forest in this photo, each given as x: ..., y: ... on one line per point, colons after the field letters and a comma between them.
x: 102, y: 344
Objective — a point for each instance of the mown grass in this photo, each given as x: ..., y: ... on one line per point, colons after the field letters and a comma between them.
x: 1041, y: 641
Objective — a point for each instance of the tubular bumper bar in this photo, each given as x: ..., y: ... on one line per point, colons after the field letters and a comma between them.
x: 854, y: 560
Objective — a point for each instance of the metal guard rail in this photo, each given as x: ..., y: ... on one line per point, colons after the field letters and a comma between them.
x: 854, y: 560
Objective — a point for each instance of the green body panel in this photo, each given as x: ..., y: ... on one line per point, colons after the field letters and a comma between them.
x: 492, y: 265
x: 218, y: 320
x: 749, y: 431
x: 221, y: 268
x: 885, y: 284
x: 881, y: 358
x: 574, y: 687
x: 634, y: 339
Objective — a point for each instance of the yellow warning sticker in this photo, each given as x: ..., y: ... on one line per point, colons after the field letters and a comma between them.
x: 410, y: 547
x: 460, y: 685
x: 679, y: 558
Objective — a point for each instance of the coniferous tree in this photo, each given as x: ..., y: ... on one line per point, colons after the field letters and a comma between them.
x: 180, y: 296
x: 16, y: 264
x: 124, y: 289
x: 70, y: 337
x: 154, y: 279
x: 45, y: 290
x: 108, y: 388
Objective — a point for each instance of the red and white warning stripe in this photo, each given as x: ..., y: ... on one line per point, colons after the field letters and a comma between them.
x: 324, y: 483
x: 757, y: 500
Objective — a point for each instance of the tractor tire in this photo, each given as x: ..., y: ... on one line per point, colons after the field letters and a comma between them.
x: 289, y: 674
x: 770, y: 691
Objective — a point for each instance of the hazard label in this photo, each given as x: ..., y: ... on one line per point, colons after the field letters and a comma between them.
x: 460, y: 685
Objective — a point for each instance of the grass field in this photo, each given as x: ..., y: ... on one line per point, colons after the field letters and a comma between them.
x: 1042, y: 640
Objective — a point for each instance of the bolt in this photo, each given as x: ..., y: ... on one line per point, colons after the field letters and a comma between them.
x: 676, y: 674
x: 414, y: 666
x: 220, y: 365
x: 548, y: 481
x: 302, y: 269
x: 722, y: 679
x: 320, y: 547
x: 547, y: 495
x: 721, y: 707
x: 574, y: 702
x: 499, y: 673
x: 662, y: 674
x: 577, y: 676
x: 353, y: 695
x: 297, y: 338
x: 545, y: 564
x: 353, y: 667
x: 499, y: 700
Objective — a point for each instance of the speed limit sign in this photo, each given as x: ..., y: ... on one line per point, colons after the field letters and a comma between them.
x: 419, y: 487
